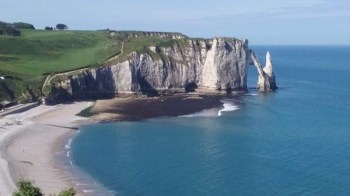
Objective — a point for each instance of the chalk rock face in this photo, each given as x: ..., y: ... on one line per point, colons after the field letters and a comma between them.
x: 217, y: 66
x: 268, y: 69
x: 225, y: 66
x: 104, y: 81
x: 266, y: 80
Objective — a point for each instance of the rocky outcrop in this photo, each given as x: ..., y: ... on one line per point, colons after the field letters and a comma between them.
x: 266, y: 80
x: 219, y: 65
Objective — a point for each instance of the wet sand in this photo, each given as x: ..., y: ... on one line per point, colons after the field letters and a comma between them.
x: 140, y: 108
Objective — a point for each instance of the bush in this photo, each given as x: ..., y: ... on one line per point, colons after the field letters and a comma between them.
x: 49, y: 28
x: 67, y: 192
x: 26, y: 188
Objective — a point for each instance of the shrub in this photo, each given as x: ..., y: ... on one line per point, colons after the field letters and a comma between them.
x: 49, y: 28
x: 26, y: 188
x: 67, y: 192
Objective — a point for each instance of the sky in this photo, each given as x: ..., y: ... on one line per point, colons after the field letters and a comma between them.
x: 268, y: 22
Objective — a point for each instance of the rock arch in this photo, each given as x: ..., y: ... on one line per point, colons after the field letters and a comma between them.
x: 266, y: 78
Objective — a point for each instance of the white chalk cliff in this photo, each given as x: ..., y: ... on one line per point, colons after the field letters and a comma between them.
x: 217, y: 65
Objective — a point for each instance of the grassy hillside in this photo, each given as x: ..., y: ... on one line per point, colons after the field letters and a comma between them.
x: 37, y: 53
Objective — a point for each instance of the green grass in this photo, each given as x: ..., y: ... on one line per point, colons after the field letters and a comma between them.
x: 39, y: 52
x: 141, y: 45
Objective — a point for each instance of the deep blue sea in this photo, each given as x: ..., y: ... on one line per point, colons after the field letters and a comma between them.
x: 295, y: 141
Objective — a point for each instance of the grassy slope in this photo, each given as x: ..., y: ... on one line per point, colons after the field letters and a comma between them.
x: 30, y: 57
x: 39, y: 52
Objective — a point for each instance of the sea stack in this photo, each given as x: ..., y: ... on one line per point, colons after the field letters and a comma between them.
x: 268, y: 69
x: 266, y: 78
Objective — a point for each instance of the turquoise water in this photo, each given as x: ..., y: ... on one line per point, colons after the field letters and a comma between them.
x: 292, y: 142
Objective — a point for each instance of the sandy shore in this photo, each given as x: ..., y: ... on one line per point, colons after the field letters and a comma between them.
x: 28, y: 146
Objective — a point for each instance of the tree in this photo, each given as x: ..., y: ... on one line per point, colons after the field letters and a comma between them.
x: 26, y: 188
x: 8, y: 29
x: 67, y: 192
x: 3, y: 24
x: 23, y: 25
x: 61, y: 26
x: 49, y: 28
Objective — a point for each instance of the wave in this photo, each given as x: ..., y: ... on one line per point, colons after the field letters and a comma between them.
x: 68, y: 145
x: 214, y: 112
x: 204, y: 113
x: 80, y: 184
x: 88, y: 191
x: 227, y: 107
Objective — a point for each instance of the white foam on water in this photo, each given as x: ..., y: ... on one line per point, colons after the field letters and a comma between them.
x: 204, y: 113
x: 253, y: 94
x: 88, y: 191
x: 68, y: 145
x: 214, y: 112
x: 79, y: 184
x: 228, y: 106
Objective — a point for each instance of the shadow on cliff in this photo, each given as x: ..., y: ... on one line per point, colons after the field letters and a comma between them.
x: 191, y: 87
x: 99, y: 87
x: 146, y: 88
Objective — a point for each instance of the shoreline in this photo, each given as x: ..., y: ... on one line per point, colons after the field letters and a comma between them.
x: 34, y: 149
x: 28, y: 150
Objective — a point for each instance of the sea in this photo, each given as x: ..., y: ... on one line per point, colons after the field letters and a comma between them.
x: 295, y: 141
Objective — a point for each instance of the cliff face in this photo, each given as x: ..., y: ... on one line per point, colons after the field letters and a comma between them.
x: 219, y: 65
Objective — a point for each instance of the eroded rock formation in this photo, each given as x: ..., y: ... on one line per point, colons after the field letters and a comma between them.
x: 266, y: 78
x: 219, y: 65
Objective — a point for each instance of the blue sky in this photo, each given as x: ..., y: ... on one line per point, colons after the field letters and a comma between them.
x: 275, y: 22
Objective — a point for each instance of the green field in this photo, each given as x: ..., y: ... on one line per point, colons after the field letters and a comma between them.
x: 38, y: 52
x: 29, y: 58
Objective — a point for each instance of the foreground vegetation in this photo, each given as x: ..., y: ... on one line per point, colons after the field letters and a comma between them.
x: 26, y: 188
